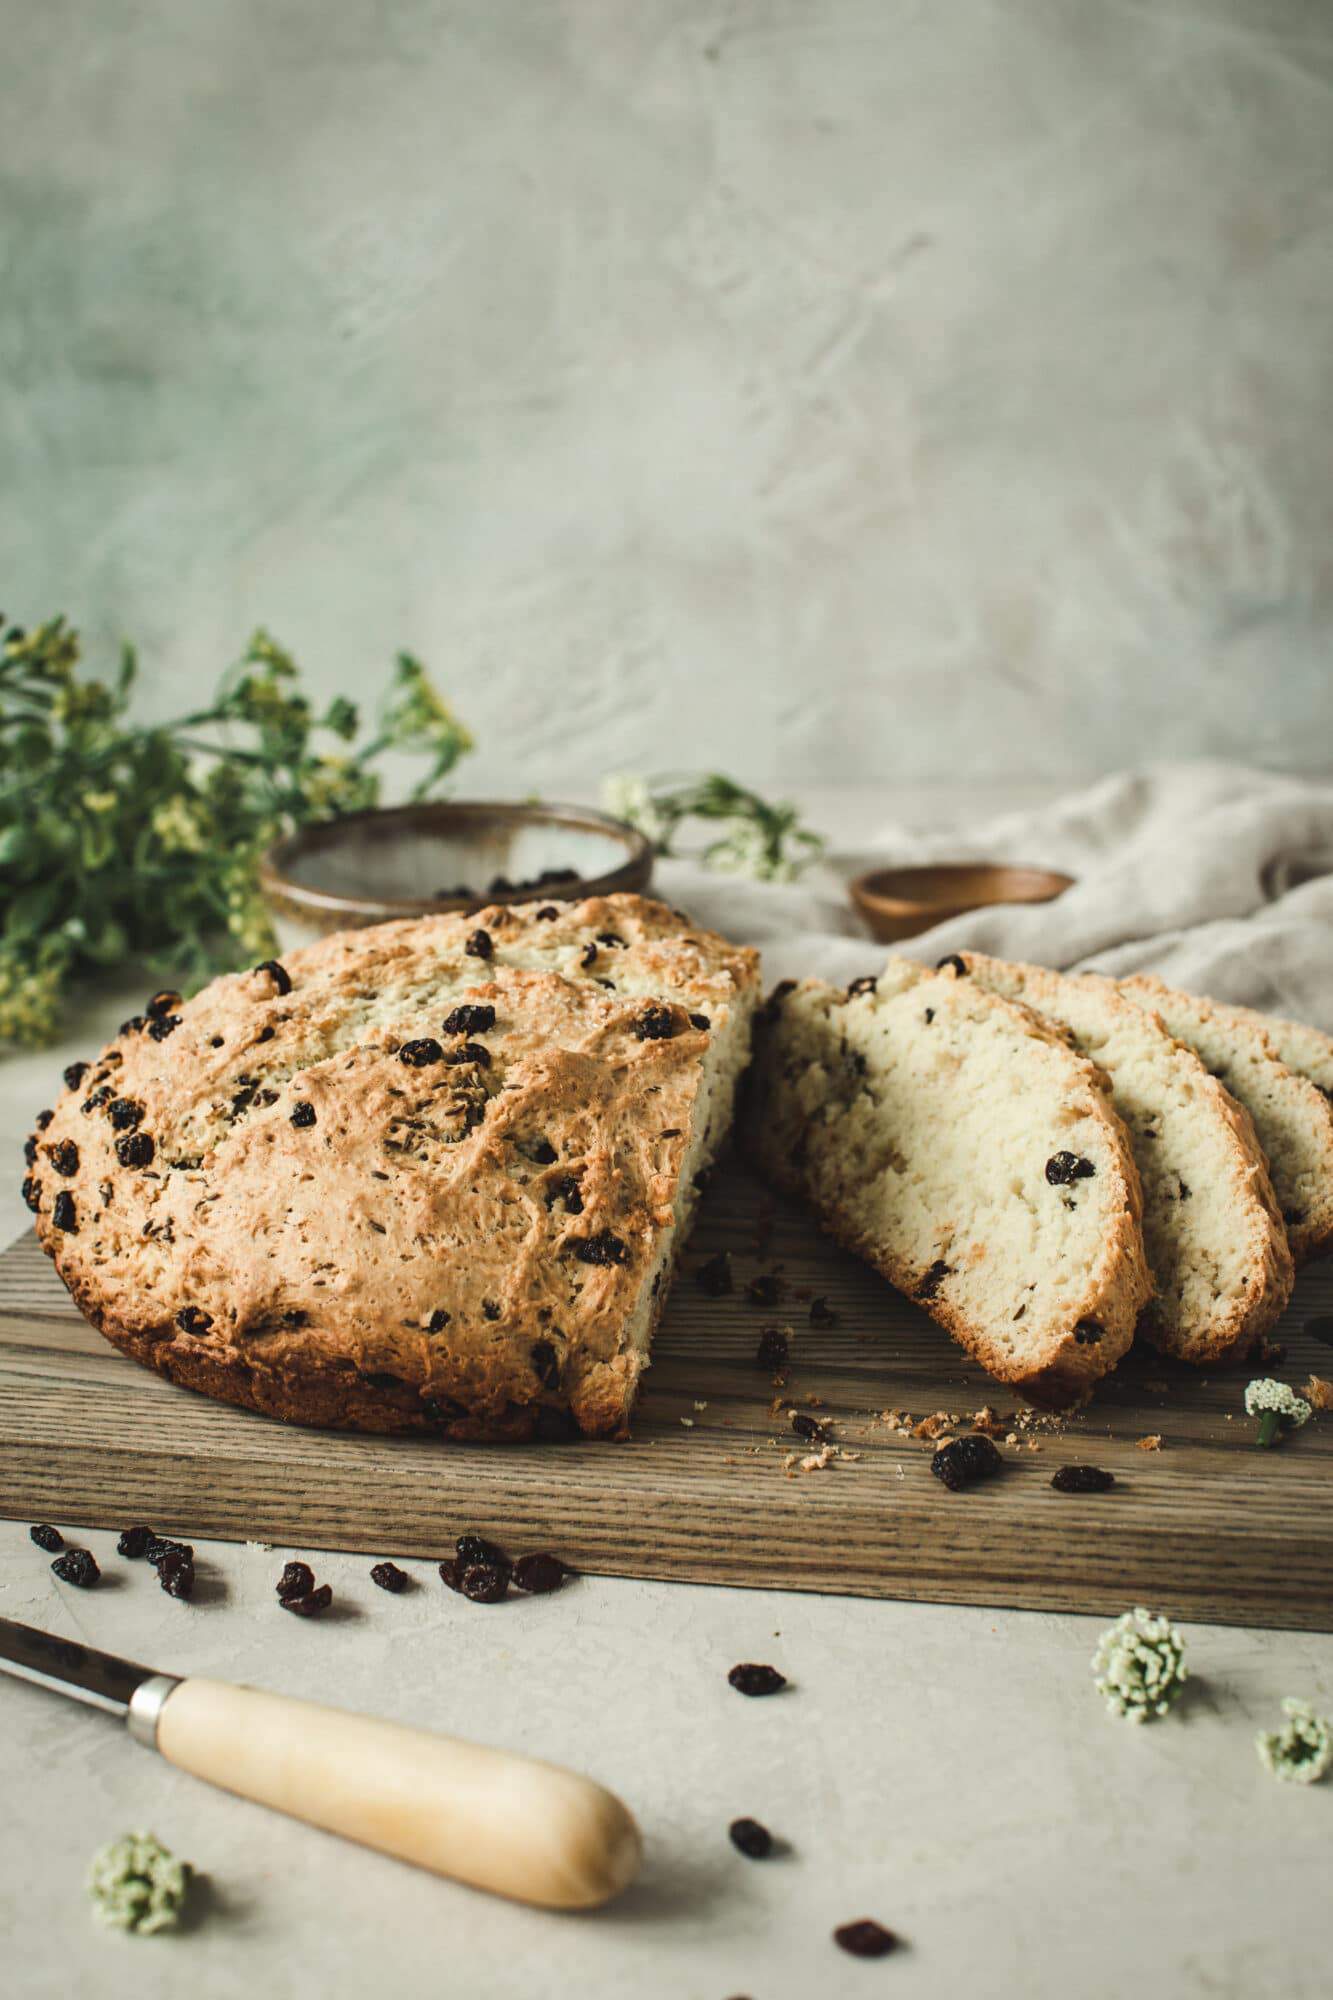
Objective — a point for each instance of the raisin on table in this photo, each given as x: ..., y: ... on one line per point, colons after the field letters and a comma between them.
x: 47, y: 1537
x: 312, y: 1604
x: 965, y: 1461
x: 77, y: 1566
x: 751, y: 1838
x: 753, y: 1679
x: 865, y: 1938
x: 538, y: 1574
x: 389, y: 1577
x: 297, y: 1580
x: 1082, y: 1479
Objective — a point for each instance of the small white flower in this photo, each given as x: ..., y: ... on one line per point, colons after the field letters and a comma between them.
x: 1302, y: 1750
x: 1266, y: 1394
x: 1140, y: 1665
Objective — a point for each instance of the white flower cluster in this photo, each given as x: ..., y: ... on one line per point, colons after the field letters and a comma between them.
x: 1266, y: 1394
x: 137, y: 1884
x: 1140, y: 1665
x: 1302, y: 1750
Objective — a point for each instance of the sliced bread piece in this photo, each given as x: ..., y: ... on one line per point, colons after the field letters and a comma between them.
x: 1293, y: 1119
x: 1216, y: 1242
x: 961, y: 1146
x: 1306, y: 1051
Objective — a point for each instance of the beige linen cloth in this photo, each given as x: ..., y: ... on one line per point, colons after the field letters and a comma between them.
x: 1217, y: 877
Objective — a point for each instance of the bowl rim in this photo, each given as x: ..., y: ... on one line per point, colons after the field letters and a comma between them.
x: 865, y: 889
x: 632, y: 873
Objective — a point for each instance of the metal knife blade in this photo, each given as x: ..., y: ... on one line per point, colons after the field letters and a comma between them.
x: 102, y: 1680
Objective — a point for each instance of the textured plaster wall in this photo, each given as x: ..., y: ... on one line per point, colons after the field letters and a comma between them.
x: 849, y: 388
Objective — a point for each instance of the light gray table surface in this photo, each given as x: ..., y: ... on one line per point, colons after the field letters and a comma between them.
x: 949, y: 1771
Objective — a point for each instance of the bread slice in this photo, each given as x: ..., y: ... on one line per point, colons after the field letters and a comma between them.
x: 1292, y: 1118
x: 430, y: 1177
x: 1216, y: 1242
x: 1307, y: 1052
x: 960, y: 1145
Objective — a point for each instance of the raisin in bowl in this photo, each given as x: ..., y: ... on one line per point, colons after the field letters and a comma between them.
x: 417, y: 860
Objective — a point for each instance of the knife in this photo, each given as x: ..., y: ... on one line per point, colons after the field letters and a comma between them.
x: 510, y: 1824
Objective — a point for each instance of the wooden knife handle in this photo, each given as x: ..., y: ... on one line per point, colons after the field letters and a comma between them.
x: 501, y: 1822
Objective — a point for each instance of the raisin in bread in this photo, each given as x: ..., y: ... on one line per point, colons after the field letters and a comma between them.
x: 959, y: 1144
x: 1292, y: 1118
x: 1216, y: 1243
x: 427, y: 1177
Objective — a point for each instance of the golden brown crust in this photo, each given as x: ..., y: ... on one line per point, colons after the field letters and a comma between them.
x: 337, y: 1227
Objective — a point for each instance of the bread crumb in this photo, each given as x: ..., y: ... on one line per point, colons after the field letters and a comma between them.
x: 1153, y: 1442
x: 688, y: 1422
x: 990, y: 1423
x: 1319, y: 1393
x: 934, y: 1427
x: 701, y: 1406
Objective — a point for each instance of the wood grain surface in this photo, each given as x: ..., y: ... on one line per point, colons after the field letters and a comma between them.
x: 711, y: 1489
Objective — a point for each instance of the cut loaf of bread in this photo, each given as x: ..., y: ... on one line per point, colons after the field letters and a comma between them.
x: 1216, y: 1242
x: 961, y: 1146
x: 1293, y: 1119
x: 432, y: 1176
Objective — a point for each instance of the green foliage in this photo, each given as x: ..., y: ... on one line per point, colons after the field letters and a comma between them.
x: 766, y: 842
x: 128, y: 841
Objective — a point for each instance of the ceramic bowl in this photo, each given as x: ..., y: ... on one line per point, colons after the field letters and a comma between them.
x: 419, y: 860
x: 899, y: 902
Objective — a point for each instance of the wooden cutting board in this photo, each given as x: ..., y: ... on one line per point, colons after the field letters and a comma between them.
x: 712, y: 1488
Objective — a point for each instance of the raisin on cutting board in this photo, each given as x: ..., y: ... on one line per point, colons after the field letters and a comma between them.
x: 965, y: 1461
x: 753, y: 1679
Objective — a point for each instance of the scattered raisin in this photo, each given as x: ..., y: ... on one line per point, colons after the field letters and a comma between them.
x: 136, y: 1149
x: 547, y: 912
x: 565, y: 1188
x: 476, y: 1549
x: 588, y: 955
x: 158, y: 1547
x: 539, y: 1574
x: 954, y: 963
x: 417, y: 1054
x: 482, y: 1582
x: 161, y: 1005
x: 714, y: 1276
x: 47, y: 1537
x: 297, y: 1580
x: 175, y: 1573
x: 134, y: 1542
x: 43, y: 1119
x: 65, y: 1158
x: 702, y: 1023
x: 489, y: 1309
x: 808, y: 1427
x: 64, y: 1214
x: 1064, y: 1168
x: 32, y: 1192
x: 475, y: 1018
x: 603, y: 1248
x: 479, y: 945
x: 1088, y: 1332
x: 469, y: 1052
x: 77, y: 1566
x: 159, y: 1030
x: 439, y: 1320
x: 134, y: 1026
x: 749, y: 1678
x: 866, y: 984
x: 822, y: 1313
x: 750, y: 1838
x: 655, y: 1024
x: 389, y: 1577
x: 125, y: 1113
x: 312, y: 1604
x: 215, y: 1041
x: 279, y: 974
x: 1082, y: 1479
x: 546, y: 1364
x: 930, y: 1015
x: 772, y: 1349
x: 543, y: 1153
x: 966, y: 1460
x: 303, y: 1114
x: 193, y: 1319
x: 865, y: 1939
x: 932, y: 1280
x: 764, y: 1290
x: 30, y: 1150
x: 75, y: 1074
